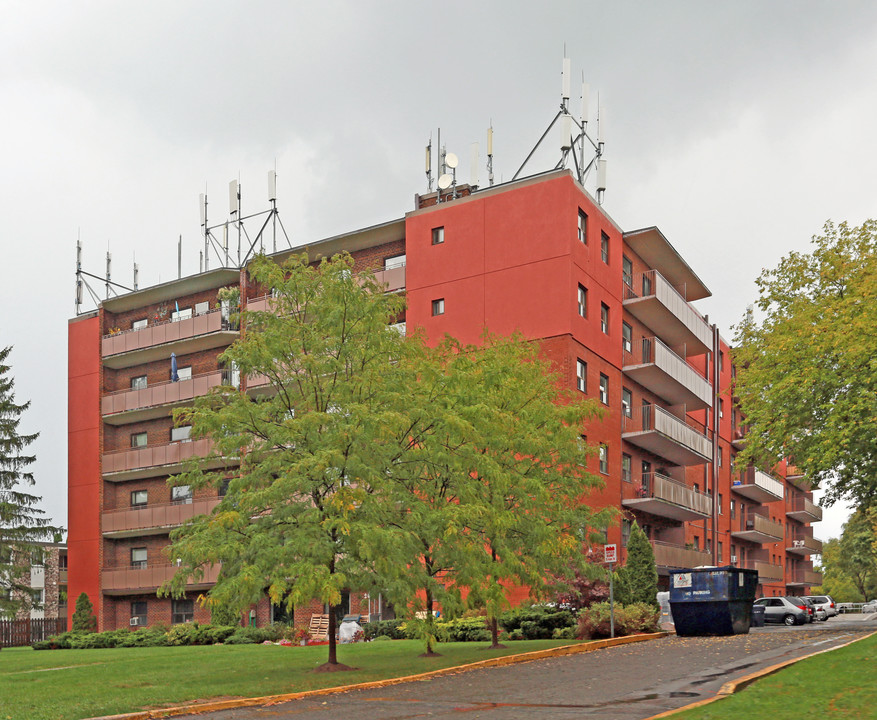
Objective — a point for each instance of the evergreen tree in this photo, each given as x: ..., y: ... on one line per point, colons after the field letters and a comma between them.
x: 83, y: 616
x: 637, y: 581
x: 21, y: 522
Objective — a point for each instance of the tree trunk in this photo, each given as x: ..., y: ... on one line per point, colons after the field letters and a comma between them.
x: 333, y: 645
x: 429, y: 620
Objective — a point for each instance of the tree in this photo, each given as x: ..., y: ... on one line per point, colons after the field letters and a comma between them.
x: 638, y: 577
x: 313, y: 453
x: 807, y: 371
x: 21, y: 521
x: 835, y: 581
x: 83, y: 615
x: 853, y: 559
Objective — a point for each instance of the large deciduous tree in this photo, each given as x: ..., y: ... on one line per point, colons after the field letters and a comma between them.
x: 21, y: 522
x: 807, y: 364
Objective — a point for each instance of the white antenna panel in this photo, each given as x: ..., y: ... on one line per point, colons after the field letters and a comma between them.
x: 565, y: 79
x: 490, y: 140
x: 451, y: 160
x: 586, y: 101
x: 444, y: 182
x: 473, y: 167
x: 601, y: 174
x: 233, y: 205
x: 565, y: 132
x: 428, y: 158
x: 272, y: 185
x: 203, y: 207
x: 601, y: 123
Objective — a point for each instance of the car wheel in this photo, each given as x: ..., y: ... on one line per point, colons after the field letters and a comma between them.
x: 789, y: 619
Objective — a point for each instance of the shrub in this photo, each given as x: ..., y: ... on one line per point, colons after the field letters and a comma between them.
x: 188, y: 634
x: 145, y: 637
x: 392, y: 629
x: 84, y: 619
x: 472, y: 629
x: 535, y: 621
x: 630, y: 620
x: 251, y: 635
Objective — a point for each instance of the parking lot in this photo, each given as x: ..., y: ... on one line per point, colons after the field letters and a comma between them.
x: 628, y: 682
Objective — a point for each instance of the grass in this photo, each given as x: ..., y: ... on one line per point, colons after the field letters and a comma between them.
x: 834, y: 685
x: 75, y: 684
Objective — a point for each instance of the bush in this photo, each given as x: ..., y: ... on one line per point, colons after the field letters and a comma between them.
x: 251, y: 635
x: 471, y: 629
x: 84, y: 619
x: 535, y: 622
x: 392, y: 629
x: 145, y: 637
x: 630, y: 620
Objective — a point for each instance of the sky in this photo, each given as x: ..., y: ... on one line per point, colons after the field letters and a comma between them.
x: 737, y: 128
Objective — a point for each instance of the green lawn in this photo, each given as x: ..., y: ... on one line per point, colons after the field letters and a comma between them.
x: 71, y: 684
x: 837, y: 684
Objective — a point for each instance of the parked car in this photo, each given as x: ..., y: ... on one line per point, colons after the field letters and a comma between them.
x: 825, y: 603
x: 870, y: 607
x: 788, y: 610
x: 811, y: 608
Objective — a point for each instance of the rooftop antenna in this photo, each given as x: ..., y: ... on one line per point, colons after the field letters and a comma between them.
x: 78, y: 298
x: 136, y: 273
x: 429, y: 165
x: 81, y: 282
x: 108, y: 281
x: 202, y: 205
x: 451, y: 161
x: 180, y: 258
x: 272, y: 198
x: 490, y: 153
x: 234, y: 203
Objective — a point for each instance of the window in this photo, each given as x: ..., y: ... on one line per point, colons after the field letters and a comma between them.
x: 626, y: 337
x: 719, y: 548
x: 138, y: 440
x: 582, y: 442
x: 604, y: 318
x: 139, y: 324
x: 138, y: 383
x: 182, y: 611
x: 721, y: 360
x: 696, y: 542
x: 183, y: 314
x: 138, y: 498
x: 438, y: 235
x: 583, y: 301
x: 223, y: 487
x: 708, y: 545
x: 626, y: 402
x: 394, y: 262
x: 733, y: 509
x: 438, y: 307
x: 721, y: 511
x: 37, y: 598
x: 604, y: 458
x: 627, y: 271
x: 626, y: 462
x: 720, y: 455
x: 721, y: 408
x: 138, y: 613
x: 582, y: 375
x: 181, y: 495
x: 647, y: 285
x: 646, y: 470
x: 604, y: 389
x: 37, y: 559
x: 625, y: 531
x: 138, y: 558
x: 181, y: 434
x: 604, y: 247
x: 583, y: 228
x: 184, y: 373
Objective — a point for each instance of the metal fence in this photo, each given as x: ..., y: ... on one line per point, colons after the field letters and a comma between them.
x: 15, y: 633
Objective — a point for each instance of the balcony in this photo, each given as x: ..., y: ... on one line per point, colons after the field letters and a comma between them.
x: 795, y: 476
x: 209, y: 330
x: 768, y: 573
x: 738, y: 437
x: 127, y: 580
x: 758, y: 486
x: 668, y: 498
x: 153, y: 519
x: 154, y: 460
x: 654, y: 429
x: 803, y: 510
x: 804, y: 545
x: 757, y: 529
x: 671, y: 557
x: 393, y: 278
x: 805, y: 578
x: 153, y: 401
x: 667, y: 313
x: 667, y: 375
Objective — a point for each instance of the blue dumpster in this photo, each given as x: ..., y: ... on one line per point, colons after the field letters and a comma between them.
x: 712, y: 601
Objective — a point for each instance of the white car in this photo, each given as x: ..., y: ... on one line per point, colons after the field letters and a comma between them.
x: 870, y: 607
x: 825, y: 606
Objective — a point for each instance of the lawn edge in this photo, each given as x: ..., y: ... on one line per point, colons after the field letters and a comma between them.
x: 733, y: 686
x: 194, y: 709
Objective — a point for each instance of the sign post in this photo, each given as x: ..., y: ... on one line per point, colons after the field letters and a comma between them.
x: 610, y: 556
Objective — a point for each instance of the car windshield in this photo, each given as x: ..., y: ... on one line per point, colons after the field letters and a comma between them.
x: 819, y: 599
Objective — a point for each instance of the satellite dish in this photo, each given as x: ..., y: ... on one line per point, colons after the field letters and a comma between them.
x: 444, y: 182
x: 451, y: 160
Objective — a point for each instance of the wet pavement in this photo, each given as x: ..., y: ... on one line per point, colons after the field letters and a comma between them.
x: 627, y: 682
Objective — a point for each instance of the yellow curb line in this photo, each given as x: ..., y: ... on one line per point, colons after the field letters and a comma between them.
x: 732, y: 686
x: 287, y: 697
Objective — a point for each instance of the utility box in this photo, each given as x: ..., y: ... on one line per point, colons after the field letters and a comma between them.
x: 712, y: 601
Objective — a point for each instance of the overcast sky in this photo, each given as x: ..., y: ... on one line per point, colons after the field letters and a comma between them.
x: 737, y: 128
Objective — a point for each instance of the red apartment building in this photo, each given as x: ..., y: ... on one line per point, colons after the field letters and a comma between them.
x: 611, y: 309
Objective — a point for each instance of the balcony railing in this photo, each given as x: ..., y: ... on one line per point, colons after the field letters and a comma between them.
x: 802, y: 544
x: 758, y: 486
x: 738, y: 436
x: 192, y: 331
x: 158, y: 517
x: 153, y: 460
x: 123, y: 580
x: 757, y: 528
x: 656, y: 430
x: 668, y: 314
x: 803, y: 510
x: 804, y: 577
x: 667, y: 375
x: 665, y: 497
x: 393, y: 277
x: 676, y: 556
x: 159, y: 395
x: 767, y: 572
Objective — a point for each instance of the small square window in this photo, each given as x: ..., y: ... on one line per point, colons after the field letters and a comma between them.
x: 582, y: 375
x: 138, y: 383
x: 604, y: 389
x: 438, y: 235
x: 182, y: 611
x: 626, y: 337
x: 583, y: 301
x: 604, y: 458
x: 139, y: 440
x: 604, y: 247
x: 438, y: 307
x: 138, y: 558
x: 583, y: 228
x: 604, y: 318
x: 138, y: 498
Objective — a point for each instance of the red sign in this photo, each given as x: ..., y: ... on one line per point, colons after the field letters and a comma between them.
x: 610, y: 553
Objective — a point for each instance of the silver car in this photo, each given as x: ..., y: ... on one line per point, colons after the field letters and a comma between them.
x: 870, y: 607
x: 824, y: 603
x: 788, y: 610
